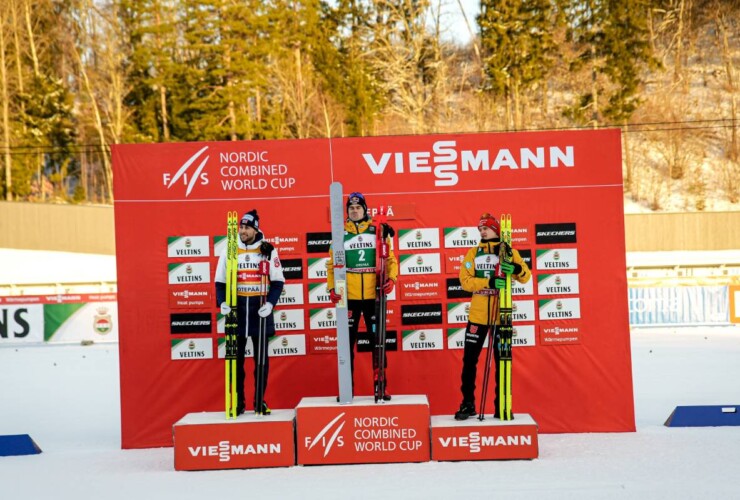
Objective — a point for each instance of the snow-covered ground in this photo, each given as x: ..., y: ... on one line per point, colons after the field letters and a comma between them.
x: 67, y: 399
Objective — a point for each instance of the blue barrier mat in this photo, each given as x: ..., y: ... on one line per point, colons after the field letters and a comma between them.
x: 20, y: 444
x: 704, y: 416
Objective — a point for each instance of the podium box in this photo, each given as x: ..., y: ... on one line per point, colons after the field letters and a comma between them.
x: 206, y: 441
x: 363, y: 431
x: 490, y: 439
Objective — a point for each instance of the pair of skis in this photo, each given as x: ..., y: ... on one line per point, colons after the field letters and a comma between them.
x: 502, y: 307
x: 231, y: 322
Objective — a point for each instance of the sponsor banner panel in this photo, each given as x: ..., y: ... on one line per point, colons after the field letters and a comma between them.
x: 522, y: 311
x: 418, y: 239
x: 322, y: 342
x: 461, y: 237
x: 287, y: 243
x: 287, y: 344
x: 419, y: 263
x: 60, y: 319
x: 21, y: 323
x: 550, y: 234
x: 523, y: 336
x: 557, y: 284
x: 318, y: 242
x: 458, y: 312
x: 317, y: 268
x: 205, y: 441
x: 520, y: 236
x: 560, y: 333
x: 490, y: 439
x: 292, y: 295
x: 421, y: 314
x: 289, y: 319
x: 364, y: 432
x: 420, y: 288
x: 318, y: 293
x: 292, y: 268
x: 190, y: 349
x: 191, y: 323
x: 58, y: 299
x: 322, y: 318
x: 187, y: 273
x: 685, y: 305
x: 95, y: 321
x: 522, y: 289
x: 431, y: 339
x: 191, y: 296
x: 559, y: 309
x: 557, y: 259
x: 466, y: 161
x: 453, y: 262
x: 222, y: 170
x: 188, y: 246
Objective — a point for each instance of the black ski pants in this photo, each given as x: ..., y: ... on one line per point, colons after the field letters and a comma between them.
x: 475, y: 336
x: 366, y: 308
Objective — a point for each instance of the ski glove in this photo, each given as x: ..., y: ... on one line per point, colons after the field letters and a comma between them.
x: 387, y: 230
x: 266, y: 249
x: 496, y: 283
x: 265, y: 310
x: 225, y: 309
x: 334, y: 297
x: 511, y: 268
x: 388, y: 286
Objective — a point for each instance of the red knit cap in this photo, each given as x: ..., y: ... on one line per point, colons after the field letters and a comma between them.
x: 488, y: 220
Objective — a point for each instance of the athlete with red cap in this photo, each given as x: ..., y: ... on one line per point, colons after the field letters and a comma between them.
x: 482, y: 274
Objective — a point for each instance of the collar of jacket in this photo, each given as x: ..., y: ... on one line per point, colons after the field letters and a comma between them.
x: 357, y: 227
x: 489, y: 246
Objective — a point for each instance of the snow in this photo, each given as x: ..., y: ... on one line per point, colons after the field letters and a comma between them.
x: 67, y: 399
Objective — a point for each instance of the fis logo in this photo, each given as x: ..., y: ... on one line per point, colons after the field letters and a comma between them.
x: 186, y: 176
x: 326, y: 441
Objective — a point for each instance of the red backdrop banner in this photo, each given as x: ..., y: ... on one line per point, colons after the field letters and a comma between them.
x: 572, y: 368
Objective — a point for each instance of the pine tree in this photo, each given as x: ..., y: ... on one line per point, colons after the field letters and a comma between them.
x: 518, y: 49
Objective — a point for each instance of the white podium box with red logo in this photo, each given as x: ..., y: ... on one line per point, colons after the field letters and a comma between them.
x: 205, y: 441
x: 363, y: 431
x: 489, y: 439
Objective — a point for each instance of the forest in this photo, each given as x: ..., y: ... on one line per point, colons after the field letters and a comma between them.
x: 79, y: 75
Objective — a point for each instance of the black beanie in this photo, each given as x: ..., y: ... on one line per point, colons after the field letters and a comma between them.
x: 251, y: 219
x: 357, y: 199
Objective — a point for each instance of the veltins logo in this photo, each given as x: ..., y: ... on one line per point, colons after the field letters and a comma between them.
x: 327, y: 442
x: 184, y: 176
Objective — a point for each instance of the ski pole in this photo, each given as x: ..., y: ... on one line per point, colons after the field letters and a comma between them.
x: 491, y: 331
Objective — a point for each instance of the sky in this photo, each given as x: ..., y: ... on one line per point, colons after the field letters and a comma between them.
x: 67, y: 399
x: 452, y: 17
